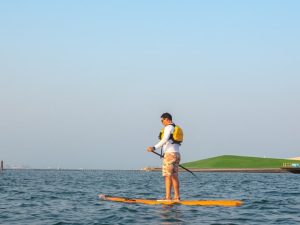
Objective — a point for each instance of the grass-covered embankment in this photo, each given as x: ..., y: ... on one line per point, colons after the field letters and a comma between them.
x: 232, y: 161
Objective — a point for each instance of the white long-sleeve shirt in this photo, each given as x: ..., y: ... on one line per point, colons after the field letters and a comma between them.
x: 166, y: 143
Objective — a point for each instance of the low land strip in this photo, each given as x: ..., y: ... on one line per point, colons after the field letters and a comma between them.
x: 233, y: 163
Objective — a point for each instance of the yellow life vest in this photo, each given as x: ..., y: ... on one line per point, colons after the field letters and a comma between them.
x: 176, y: 136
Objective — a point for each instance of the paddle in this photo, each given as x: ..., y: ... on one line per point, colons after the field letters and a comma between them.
x: 179, y: 165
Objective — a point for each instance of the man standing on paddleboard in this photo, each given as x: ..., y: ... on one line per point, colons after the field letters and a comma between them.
x: 171, y: 158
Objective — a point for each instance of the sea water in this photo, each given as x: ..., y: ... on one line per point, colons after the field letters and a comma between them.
x: 70, y: 197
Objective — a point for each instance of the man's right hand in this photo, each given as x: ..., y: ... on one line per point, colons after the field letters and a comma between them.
x: 150, y: 149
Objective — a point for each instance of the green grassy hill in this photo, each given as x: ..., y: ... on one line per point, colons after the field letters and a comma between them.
x: 232, y: 161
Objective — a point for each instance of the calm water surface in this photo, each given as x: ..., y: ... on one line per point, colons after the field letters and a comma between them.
x: 70, y: 197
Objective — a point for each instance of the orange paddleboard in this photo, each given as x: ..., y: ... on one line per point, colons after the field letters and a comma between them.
x: 171, y: 202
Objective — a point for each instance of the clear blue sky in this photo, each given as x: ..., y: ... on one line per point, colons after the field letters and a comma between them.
x: 83, y: 83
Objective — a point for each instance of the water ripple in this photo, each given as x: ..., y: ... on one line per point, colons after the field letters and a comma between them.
x: 70, y: 197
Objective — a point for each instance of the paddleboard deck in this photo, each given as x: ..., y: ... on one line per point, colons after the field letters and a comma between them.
x: 228, y: 203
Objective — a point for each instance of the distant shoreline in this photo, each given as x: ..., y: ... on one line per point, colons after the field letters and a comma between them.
x: 228, y: 170
x: 224, y: 170
x: 242, y: 170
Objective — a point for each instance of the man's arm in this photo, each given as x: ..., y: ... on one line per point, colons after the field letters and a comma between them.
x: 167, y: 134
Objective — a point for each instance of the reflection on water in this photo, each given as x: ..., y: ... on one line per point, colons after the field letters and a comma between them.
x: 170, y: 214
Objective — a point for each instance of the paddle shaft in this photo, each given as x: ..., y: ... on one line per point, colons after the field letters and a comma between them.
x: 179, y: 165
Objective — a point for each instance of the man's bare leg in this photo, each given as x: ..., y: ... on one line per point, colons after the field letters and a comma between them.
x: 175, y: 183
x: 168, y: 183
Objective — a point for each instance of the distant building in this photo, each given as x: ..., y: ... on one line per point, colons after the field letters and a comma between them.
x: 296, y: 158
x: 151, y: 169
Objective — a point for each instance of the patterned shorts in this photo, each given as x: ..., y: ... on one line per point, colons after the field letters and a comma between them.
x: 170, y: 164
